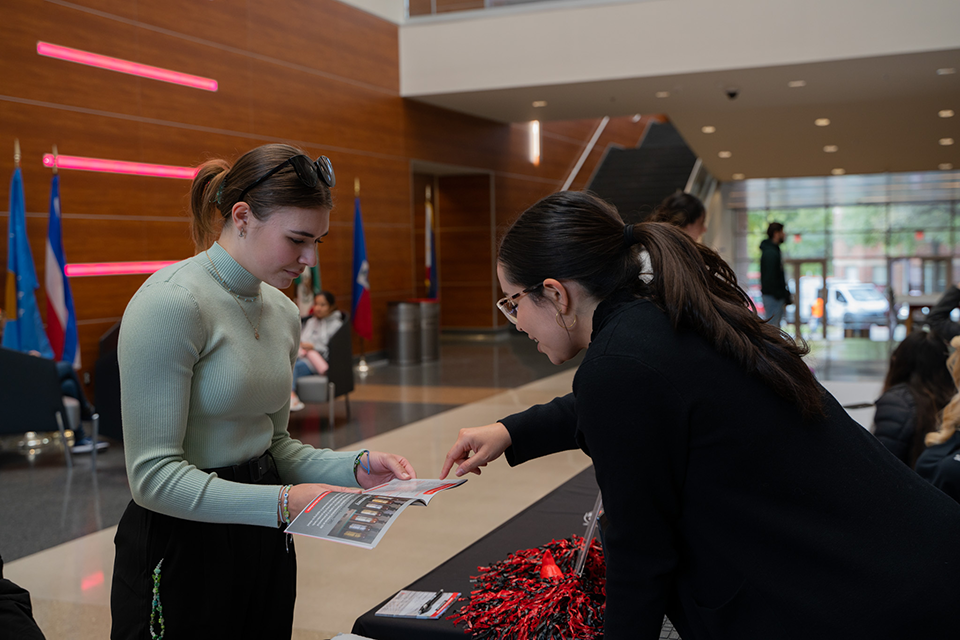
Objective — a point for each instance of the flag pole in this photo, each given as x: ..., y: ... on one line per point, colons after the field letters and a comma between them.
x: 16, y: 152
x: 54, y: 159
x: 362, y: 368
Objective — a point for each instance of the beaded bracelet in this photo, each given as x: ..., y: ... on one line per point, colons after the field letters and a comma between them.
x: 358, y: 462
x: 286, y: 503
x: 283, y: 501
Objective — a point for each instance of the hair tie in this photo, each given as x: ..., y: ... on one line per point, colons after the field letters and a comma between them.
x: 628, y: 239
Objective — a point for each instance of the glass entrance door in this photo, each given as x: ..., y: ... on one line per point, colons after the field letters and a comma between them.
x: 808, y: 313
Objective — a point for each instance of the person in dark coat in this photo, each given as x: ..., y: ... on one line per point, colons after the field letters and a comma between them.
x: 917, y: 387
x: 939, y: 318
x: 740, y: 498
x: 939, y: 464
x: 16, y: 613
x: 773, y: 282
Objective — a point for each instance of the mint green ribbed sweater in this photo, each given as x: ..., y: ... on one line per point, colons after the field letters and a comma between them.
x: 198, y: 391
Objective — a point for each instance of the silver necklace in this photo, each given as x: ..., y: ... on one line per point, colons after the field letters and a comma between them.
x: 237, y: 298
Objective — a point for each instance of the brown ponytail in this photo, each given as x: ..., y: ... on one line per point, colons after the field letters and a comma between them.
x: 698, y: 290
x: 207, y: 221
x: 576, y: 236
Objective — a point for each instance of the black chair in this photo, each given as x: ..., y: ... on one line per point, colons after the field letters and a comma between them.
x: 338, y: 380
x: 107, y: 377
x: 31, y: 399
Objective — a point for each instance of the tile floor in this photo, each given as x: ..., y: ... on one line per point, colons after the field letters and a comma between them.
x: 57, y: 527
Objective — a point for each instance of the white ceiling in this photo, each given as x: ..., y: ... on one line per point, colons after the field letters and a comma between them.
x: 883, y: 113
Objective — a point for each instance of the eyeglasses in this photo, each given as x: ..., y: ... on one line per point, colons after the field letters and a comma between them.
x: 508, y: 305
x: 310, y: 172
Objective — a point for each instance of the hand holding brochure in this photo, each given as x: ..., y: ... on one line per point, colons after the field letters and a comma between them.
x: 362, y: 519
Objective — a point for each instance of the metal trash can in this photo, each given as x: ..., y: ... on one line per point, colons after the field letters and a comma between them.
x: 403, y: 337
x: 429, y: 329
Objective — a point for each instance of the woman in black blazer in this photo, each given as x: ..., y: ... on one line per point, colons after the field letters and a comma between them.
x: 741, y: 499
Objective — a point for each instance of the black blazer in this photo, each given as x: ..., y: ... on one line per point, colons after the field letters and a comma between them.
x: 730, y: 512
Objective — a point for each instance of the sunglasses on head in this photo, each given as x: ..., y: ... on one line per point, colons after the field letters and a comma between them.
x: 309, y: 171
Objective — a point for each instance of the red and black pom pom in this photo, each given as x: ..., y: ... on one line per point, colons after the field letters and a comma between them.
x: 535, y: 595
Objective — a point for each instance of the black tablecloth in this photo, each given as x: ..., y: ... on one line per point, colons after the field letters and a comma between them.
x: 556, y: 516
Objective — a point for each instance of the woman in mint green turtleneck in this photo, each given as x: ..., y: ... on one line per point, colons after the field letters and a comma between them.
x: 207, y: 347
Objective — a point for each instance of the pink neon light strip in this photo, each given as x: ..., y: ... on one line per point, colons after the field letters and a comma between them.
x: 125, y: 66
x: 120, y: 166
x: 79, y: 270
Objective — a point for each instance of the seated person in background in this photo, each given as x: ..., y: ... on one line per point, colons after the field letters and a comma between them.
x: 917, y: 387
x: 325, y: 320
x: 939, y: 463
x: 939, y: 317
x: 684, y: 211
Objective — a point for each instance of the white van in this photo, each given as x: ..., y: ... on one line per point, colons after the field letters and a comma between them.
x: 849, y: 303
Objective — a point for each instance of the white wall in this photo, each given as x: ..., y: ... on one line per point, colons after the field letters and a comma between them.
x: 393, y: 10
x: 483, y: 50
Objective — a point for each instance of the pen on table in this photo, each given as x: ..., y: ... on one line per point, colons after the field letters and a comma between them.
x: 430, y: 602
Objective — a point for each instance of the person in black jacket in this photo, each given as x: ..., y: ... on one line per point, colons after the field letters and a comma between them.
x: 773, y: 283
x: 917, y: 387
x: 740, y: 498
x: 939, y: 317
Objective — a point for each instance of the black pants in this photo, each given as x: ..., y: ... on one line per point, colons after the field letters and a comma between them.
x: 216, y: 580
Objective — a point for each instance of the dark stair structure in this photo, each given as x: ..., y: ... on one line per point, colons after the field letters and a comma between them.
x: 637, y: 180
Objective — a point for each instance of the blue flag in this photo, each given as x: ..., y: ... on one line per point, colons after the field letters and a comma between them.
x: 24, y: 328
x: 362, y: 315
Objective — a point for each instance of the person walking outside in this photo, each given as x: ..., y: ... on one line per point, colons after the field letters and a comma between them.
x: 773, y: 284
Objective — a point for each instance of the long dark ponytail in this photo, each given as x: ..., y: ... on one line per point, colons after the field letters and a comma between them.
x: 576, y: 236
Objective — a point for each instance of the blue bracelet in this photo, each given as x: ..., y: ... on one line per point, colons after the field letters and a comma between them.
x: 358, y: 462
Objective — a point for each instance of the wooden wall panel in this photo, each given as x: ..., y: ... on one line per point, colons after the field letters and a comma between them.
x: 464, y: 251
x: 316, y: 73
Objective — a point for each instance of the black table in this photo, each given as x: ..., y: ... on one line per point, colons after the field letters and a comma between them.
x: 558, y: 515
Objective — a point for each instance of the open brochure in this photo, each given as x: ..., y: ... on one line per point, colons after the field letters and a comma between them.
x: 361, y: 519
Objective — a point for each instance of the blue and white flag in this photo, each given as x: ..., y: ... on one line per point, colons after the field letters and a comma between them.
x: 24, y: 328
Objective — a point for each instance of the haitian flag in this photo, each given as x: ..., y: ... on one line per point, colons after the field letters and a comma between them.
x: 362, y: 313
x: 430, y: 252
x: 24, y: 328
x: 61, y: 315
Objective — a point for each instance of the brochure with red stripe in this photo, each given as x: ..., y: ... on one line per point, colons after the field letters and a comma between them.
x: 362, y: 519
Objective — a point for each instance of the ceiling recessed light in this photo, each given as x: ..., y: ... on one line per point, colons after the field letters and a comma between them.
x: 636, y: 117
x: 539, y: 103
x: 708, y: 129
x: 822, y: 122
x: 738, y: 176
x: 945, y: 113
x: 838, y: 172
x: 945, y: 166
x: 793, y: 84
x: 725, y: 154
x: 946, y: 71
x: 946, y: 142
x: 831, y: 148
x: 663, y: 94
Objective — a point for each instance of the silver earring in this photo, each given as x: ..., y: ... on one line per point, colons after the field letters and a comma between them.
x: 243, y: 233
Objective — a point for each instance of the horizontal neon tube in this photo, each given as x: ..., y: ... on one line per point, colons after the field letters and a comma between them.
x: 125, y: 66
x: 81, y: 269
x: 120, y: 166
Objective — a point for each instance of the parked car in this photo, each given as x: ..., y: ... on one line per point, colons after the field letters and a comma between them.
x: 849, y: 303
